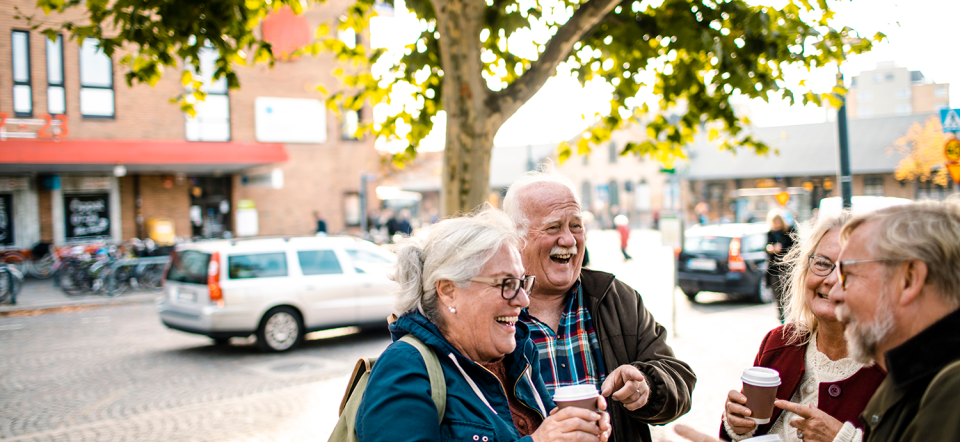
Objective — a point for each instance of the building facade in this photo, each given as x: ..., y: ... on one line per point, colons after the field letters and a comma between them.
x: 890, y: 90
x: 260, y: 160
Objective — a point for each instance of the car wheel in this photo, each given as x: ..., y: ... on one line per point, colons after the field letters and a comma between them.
x: 764, y: 294
x: 691, y: 294
x: 280, y: 330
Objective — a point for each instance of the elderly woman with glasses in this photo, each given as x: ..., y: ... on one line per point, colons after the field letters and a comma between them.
x: 823, y: 390
x: 461, y: 292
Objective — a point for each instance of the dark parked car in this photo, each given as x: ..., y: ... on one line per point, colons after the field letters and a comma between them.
x: 728, y: 258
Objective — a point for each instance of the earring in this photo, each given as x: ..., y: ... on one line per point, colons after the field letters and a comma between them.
x: 452, y: 310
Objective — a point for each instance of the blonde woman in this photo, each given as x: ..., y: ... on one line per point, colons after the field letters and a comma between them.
x: 823, y: 389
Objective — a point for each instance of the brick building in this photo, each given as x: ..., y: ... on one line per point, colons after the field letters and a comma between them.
x: 258, y: 160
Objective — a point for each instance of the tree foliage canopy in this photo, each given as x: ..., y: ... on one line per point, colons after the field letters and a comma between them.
x: 694, y: 56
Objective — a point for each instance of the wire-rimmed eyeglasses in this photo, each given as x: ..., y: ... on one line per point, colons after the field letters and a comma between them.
x: 821, y: 265
x: 509, y: 287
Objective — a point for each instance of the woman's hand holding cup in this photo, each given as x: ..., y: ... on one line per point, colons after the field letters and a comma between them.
x: 576, y: 421
x: 736, y: 413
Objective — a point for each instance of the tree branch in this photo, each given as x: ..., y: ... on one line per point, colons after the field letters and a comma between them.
x: 507, y: 101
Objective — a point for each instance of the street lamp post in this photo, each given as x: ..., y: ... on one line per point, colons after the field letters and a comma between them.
x: 844, y: 178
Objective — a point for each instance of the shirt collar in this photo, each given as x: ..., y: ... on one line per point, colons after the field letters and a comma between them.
x: 927, y: 352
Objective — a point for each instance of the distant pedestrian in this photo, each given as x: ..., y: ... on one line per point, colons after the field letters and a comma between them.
x: 779, y: 242
x: 321, y: 224
x: 623, y: 228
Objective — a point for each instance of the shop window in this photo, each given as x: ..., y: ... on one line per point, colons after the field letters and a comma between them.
x: 22, y: 89
x: 96, y: 81
x: 350, y: 125
x: 927, y: 190
x: 87, y: 217
x: 873, y: 186
x: 6, y: 220
x: 212, y: 119
x: 56, y: 96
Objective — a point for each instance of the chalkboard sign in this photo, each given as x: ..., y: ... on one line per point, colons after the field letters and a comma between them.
x: 6, y: 220
x: 87, y: 216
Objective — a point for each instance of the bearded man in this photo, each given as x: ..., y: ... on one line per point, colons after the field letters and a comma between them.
x: 899, y: 293
x: 589, y: 327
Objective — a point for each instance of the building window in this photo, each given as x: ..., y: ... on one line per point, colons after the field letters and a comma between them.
x: 864, y: 95
x: 586, y: 196
x: 96, y: 81
x: 614, y: 194
x: 212, y: 119
x: 350, y: 125
x: 56, y: 97
x: 586, y: 159
x: 864, y: 112
x: 888, y: 76
x: 613, y: 152
x: 22, y: 91
x: 940, y: 91
x: 904, y: 109
x: 903, y: 92
x: 928, y: 190
x: 873, y: 186
x: 348, y: 36
x: 876, y: 78
x: 940, y: 106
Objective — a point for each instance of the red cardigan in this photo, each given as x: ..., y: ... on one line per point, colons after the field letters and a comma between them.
x: 844, y: 400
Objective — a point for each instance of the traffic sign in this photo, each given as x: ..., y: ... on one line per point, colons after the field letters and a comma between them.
x: 782, y: 198
x: 951, y: 149
x: 954, y: 169
x: 950, y: 118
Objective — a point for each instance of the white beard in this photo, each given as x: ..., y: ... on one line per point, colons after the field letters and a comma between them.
x: 862, y: 340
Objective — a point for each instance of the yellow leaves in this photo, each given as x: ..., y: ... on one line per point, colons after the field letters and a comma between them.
x: 922, y: 148
x: 563, y: 152
x: 713, y: 135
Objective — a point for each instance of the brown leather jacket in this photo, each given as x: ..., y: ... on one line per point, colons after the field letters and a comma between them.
x: 628, y: 334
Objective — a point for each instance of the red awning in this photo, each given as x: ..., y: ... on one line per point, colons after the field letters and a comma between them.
x: 133, y: 152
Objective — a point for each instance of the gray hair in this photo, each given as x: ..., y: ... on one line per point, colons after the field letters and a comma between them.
x: 809, y: 235
x: 927, y: 231
x: 455, y: 250
x: 513, y: 205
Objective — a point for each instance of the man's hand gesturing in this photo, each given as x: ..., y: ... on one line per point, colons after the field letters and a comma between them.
x: 627, y: 386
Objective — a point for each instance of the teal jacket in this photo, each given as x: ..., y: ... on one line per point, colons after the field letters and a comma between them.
x: 397, y: 407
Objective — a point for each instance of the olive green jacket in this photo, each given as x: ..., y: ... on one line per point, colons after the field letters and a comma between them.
x: 628, y: 334
x: 919, y: 401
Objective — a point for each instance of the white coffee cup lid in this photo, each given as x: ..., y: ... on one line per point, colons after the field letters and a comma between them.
x: 761, y: 377
x: 765, y: 438
x: 574, y: 393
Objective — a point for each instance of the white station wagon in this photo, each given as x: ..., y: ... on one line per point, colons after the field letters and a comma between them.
x: 276, y: 288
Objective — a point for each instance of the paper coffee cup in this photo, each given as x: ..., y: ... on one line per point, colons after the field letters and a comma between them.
x: 583, y: 396
x: 760, y: 387
x: 765, y: 438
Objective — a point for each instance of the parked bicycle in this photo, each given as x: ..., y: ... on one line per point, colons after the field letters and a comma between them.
x: 39, y: 262
x: 110, y: 270
x: 11, y: 282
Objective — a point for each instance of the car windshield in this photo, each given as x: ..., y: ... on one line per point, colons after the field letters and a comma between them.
x: 706, y: 244
x: 189, y: 266
x: 366, y: 261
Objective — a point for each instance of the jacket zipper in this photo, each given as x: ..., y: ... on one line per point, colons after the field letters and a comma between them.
x: 516, y: 386
x: 504, y: 389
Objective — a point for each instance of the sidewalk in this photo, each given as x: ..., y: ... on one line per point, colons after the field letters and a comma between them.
x: 43, y: 295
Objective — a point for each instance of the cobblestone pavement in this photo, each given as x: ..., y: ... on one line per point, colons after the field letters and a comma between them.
x: 115, y: 373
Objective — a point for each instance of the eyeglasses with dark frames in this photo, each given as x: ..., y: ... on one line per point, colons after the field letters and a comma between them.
x: 509, y: 287
x: 842, y: 264
x: 821, y: 265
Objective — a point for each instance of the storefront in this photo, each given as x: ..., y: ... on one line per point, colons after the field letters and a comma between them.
x: 18, y: 212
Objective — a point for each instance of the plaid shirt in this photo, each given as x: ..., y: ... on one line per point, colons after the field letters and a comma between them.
x: 572, y: 355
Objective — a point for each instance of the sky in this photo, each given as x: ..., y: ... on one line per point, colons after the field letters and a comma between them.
x: 922, y: 35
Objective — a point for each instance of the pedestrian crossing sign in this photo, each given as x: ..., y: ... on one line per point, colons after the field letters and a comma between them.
x: 950, y: 119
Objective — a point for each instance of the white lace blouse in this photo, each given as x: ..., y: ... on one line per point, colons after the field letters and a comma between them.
x: 819, y: 368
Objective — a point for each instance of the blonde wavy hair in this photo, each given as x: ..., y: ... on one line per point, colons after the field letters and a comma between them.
x: 808, y: 238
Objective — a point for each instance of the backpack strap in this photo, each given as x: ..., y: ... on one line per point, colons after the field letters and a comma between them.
x: 438, y: 384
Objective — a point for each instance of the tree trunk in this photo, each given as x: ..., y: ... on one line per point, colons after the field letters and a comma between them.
x: 465, y: 175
